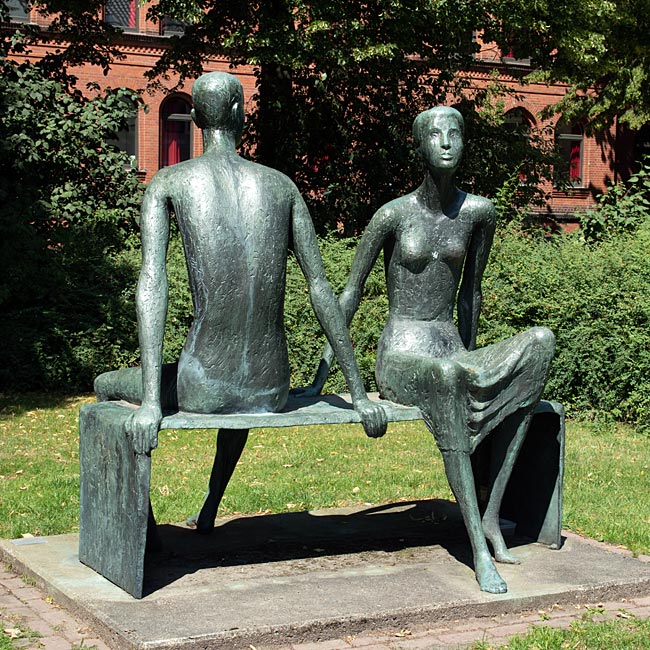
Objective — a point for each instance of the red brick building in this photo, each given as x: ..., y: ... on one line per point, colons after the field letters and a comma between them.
x: 165, y: 133
x: 594, y: 161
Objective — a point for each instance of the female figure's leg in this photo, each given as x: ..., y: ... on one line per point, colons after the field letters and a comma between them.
x: 514, y: 430
x: 535, y: 349
x: 445, y: 412
x: 438, y: 388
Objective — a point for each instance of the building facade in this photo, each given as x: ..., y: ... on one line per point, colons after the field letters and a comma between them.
x: 165, y: 134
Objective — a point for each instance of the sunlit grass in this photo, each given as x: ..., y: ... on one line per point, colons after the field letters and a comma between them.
x: 299, y: 468
x: 588, y: 633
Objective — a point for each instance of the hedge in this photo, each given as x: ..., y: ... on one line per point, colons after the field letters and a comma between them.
x: 596, y: 298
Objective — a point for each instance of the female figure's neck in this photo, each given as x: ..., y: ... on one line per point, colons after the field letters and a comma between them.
x: 218, y: 140
x: 438, y: 191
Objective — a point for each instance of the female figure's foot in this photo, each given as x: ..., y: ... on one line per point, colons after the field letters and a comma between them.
x: 493, y: 534
x: 505, y: 557
x: 488, y: 577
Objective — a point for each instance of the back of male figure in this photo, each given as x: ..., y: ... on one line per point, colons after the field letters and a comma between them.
x: 235, y: 223
x: 236, y: 219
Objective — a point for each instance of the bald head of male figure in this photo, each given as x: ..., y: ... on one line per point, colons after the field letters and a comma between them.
x: 218, y: 99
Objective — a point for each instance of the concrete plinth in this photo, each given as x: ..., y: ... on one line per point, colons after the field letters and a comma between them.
x: 315, y: 575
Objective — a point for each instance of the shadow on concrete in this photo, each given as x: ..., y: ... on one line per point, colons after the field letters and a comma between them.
x: 281, y: 537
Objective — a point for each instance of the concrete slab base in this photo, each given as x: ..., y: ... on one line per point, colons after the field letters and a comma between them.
x: 308, y: 576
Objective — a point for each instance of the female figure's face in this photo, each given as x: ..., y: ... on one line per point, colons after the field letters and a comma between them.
x: 441, y: 146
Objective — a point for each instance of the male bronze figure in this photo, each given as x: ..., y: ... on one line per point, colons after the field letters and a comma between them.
x: 237, y: 220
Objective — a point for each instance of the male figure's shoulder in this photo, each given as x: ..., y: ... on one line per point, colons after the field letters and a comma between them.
x: 195, y: 173
x: 272, y: 177
x: 166, y: 179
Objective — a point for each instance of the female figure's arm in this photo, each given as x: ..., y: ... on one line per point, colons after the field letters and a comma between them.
x: 370, y: 245
x: 469, y: 295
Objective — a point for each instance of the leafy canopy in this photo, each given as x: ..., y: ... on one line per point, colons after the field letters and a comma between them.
x: 599, y: 48
x: 339, y: 84
x: 68, y: 200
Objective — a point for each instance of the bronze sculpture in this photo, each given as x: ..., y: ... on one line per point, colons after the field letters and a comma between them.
x: 237, y: 220
x: 436, y: 242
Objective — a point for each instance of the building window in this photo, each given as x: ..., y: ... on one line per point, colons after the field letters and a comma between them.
x: 176, y: 131
x: 641, y: 145
x: 519, y: 122
x: 570, y: 142
x: 171, y: 27
x: 508, y: 56
x: 122, y: 13
x: 127, y: 140
x: 18, y: 11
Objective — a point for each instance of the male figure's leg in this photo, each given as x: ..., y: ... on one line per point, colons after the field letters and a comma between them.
x: 230, y: 444
x: 126, y: 384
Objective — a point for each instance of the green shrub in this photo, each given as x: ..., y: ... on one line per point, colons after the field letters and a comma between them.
x: 304, y: 336
x: 595, y: 299
x: 68, y: 203
x: 622, y: 209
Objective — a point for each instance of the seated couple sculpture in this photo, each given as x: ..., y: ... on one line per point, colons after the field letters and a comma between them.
x: 237, y: 220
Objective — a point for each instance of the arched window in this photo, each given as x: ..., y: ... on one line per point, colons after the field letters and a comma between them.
x: 641, y: 145
x: 570, y: 142
x: 176, y: 131
x: 519, y: 119
x: 127, y: 139
x: 520, y: 122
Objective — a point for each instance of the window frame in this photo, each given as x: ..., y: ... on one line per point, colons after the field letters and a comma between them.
x: 131, y: 137
x: 132, y: 8
x: 171, y: 27
x: 165, y: 118
x: 15, y: 16
x: 568, y: 136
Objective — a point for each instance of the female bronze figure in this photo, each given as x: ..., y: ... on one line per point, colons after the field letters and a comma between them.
x: 436, y: 242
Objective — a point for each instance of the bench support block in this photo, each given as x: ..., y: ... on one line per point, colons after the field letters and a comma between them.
x: 116, y: 516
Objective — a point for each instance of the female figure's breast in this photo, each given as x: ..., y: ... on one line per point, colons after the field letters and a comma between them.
x: 425, y: 267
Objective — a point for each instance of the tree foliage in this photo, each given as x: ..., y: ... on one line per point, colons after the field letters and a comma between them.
x: 594, y: 297
x: 623, y: 209
x: 599, y: 48
x: 68, y: 201
x: 339, y: 84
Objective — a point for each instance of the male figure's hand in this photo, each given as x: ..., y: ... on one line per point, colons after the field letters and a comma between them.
x: 373, y: 417
x: 142, y: 427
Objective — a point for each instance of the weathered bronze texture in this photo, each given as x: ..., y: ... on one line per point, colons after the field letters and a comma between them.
x: 436, y: 241
x: 236, y: 220
x: 115, y: 515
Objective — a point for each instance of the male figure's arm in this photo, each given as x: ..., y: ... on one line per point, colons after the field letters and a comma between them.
x: 151, y: 307
x: 370, y: 245
x: 330, y: 316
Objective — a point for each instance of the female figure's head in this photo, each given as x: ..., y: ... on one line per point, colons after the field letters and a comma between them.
x: 438, y: 135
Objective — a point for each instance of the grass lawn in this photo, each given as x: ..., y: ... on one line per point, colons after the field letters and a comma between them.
x: 585, y: 634
x: 606, y: 484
